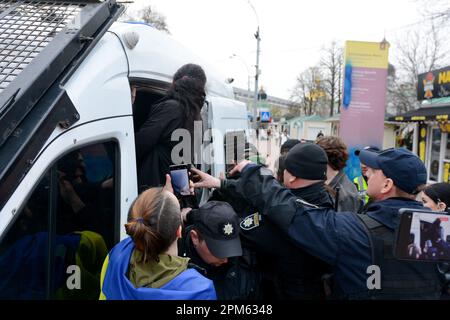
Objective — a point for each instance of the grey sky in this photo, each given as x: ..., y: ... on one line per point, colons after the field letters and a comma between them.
x: 292, y: 32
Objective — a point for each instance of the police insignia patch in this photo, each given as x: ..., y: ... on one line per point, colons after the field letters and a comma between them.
x: 227, y: 229
x: 251, y: 221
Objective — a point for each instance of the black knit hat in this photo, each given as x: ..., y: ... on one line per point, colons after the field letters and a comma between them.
x: 288, y: 144
x: 307, y: 161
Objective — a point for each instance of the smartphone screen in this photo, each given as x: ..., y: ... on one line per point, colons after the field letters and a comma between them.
x: 180, y: 179
x: 423, y: 236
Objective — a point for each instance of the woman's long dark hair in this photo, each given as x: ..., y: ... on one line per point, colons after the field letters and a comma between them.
x: 188, y: 88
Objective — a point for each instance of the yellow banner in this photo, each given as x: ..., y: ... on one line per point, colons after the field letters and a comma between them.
x: 367, y: 54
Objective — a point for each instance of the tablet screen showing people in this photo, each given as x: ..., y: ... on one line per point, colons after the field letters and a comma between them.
x: 429, y: 237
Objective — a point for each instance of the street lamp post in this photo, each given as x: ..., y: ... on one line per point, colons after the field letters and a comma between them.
x: 255, y: 103
x: 257, y: 71
x: 246, y: 67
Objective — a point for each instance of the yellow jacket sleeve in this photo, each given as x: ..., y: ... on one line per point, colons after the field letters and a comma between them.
x: 102, y: 278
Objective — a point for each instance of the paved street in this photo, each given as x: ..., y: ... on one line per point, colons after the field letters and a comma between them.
x: 269, y: 149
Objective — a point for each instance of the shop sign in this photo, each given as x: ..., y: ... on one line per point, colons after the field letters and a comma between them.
x: 434, y: 84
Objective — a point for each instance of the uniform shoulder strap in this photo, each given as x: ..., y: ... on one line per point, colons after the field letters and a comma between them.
x: 376, y: 244
x: 369, y: 222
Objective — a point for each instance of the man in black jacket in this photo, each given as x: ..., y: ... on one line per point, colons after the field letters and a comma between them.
x: 288, y: 272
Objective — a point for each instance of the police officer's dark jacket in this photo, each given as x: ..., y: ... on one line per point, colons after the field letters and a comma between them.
x: 290, y: 272
x: 340, y: 239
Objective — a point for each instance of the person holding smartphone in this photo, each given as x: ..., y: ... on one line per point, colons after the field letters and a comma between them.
x: 146, y: 265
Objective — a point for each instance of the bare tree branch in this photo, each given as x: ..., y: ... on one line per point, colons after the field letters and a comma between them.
x: 331, y: 64
x: 421, y: 50
x: 148, y: 15
x: 309, y: 93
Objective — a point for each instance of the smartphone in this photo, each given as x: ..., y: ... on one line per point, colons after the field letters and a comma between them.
x: 179, y: 175
x: 423, y: 236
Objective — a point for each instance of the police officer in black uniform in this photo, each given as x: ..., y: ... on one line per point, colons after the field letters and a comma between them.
x: 360, y: 248
x: 211, y: 240
x: 288, y: 271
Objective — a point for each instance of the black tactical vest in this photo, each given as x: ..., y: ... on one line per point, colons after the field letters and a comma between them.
x: 400, y: 279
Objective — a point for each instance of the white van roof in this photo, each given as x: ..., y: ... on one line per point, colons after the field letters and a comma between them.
x: 158, y: 55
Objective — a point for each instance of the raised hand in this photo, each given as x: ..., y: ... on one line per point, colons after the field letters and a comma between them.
x: 206, y: 180
x: 238, y: 169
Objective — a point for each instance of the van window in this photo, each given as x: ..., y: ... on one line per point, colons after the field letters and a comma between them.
x: 73, y: 213
x: 24, y: 249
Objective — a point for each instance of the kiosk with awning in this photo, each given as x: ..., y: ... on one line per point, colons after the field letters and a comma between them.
x: 431, y: 123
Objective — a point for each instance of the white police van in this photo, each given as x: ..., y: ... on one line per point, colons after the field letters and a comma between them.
x: 67, y: 150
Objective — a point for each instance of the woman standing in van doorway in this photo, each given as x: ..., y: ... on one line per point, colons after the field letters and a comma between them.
x: 179, y: 109
x: 146, y: 266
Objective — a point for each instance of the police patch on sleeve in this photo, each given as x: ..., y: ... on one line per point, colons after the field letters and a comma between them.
x: 251, y: 221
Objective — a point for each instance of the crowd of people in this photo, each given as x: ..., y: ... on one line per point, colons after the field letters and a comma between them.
x: 304, y: 231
